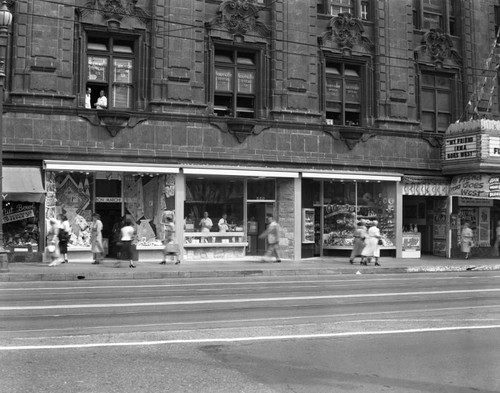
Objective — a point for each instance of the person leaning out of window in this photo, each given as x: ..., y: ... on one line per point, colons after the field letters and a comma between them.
x: 102, y: 101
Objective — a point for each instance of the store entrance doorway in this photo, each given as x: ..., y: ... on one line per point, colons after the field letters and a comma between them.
x: 257, y: 223
x: 108, y: 204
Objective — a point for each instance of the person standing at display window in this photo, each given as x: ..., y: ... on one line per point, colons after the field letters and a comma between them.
x: 205, y: 225
x: 171, y: 247
x: 223, y: 225
x: 371, y: 251
x: 52, y: 250
x: 96, y: 246
x: 127, y: 235
x: 102, y: 101
x: 466, y: 241
x: 359, y: 243
x: 497, y: 240
x: 64, y: 236
x: 272, y: 235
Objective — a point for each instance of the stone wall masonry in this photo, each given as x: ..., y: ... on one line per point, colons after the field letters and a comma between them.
x: 164, y: 140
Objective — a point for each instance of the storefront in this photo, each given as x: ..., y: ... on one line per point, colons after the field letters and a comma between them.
x: 333, y: 203
x: 140, y: 192
x: 471, y: 157
x: 244, y: 198
x: 143, y: 192
x: 23, y: 195
x: 425, y: 209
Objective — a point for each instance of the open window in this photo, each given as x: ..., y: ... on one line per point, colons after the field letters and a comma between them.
x: 110, y: 68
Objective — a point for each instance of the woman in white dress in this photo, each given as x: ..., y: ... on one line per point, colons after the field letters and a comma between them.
x: 372, y: 247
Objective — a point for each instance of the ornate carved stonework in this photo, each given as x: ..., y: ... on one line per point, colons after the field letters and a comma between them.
x: 241, y: 129
x: 113, y: 121
x: 347, y: 32
x: 439, y: 46
x: 239, y: 17
x: 116, y: 9
x: 351, y: 136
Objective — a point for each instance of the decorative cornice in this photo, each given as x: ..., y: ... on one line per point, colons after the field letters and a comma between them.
x: 351, y: 136
x: 347, y: 32
x: 434, y: 140
x: 438, y: 46
x: 113, y: 121
x: 239, y: 17
x: 116, y: 10
x: 241, y: 129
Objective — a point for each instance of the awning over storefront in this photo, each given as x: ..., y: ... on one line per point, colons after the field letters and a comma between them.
x: 95, y: 166
x: 476, y: 186
x: 246, y: 172
x: 22, y: 184
x: 426, y: 185
x: 358, y: 176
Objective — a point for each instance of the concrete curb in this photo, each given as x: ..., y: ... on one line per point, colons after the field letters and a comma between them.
x: 145, y: 275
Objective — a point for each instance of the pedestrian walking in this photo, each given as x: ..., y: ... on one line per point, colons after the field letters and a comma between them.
x: 358, y: 243
x: 496, y: 246
x: 171, y: 247
x: 466, y: 240
x: 127, y: 236
x: 272, y: 235
x: 96, y: 239
x: 373, y: 240
x: 64, y: 236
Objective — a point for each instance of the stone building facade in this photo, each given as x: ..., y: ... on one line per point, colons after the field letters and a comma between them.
x: 317, y: 96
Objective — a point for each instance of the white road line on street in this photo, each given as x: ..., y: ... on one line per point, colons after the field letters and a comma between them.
x: 238, y: 283
x: 260, y: 320
x: 249, y: 300
x: 246, y: 339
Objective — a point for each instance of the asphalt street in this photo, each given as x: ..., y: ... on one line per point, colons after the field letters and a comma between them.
x: 401, y: 333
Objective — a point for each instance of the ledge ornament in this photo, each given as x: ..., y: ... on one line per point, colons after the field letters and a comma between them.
x: 351, y: 136
x: 434, y: 140
x: 113, y: 121
x: 239, y: 17
x: 439, y: 47
x: 116, y: 10
x: 347, y: 32
x: 241, y: 129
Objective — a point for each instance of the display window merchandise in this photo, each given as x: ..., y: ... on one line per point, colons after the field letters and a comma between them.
x: 345, y: 203
x: 115, y: 196
x: 21, y: 226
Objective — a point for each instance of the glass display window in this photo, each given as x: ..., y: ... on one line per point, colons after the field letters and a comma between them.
x: 21, y: 225
x: 216, y: 197
x: 346, y: 203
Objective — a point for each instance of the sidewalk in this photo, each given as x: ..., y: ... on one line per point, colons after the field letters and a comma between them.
x: 248, y: 267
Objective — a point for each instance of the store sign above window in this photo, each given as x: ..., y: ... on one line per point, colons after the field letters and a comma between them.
x: 476, y: 186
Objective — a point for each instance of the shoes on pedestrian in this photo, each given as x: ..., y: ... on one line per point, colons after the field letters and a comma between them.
x: 65, y: 261
x: 131, y: 265
x: 177, y: 262
x: 277, y: 261
x: 351, y: 261
x: 377, y: 264
x: 95, y: 263
x: 163, y: 262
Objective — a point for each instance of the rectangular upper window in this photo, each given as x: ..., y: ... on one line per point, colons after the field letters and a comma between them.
x: 235, y: 80
x: 344, y: 94
x: 357, y: 8
x: 436, y: 14
x: 436, y: 101
x: 110, y: 69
